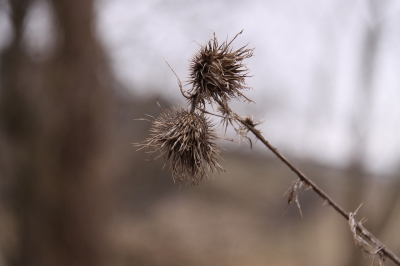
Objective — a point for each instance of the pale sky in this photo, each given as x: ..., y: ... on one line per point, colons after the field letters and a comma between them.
x: 306, y: 65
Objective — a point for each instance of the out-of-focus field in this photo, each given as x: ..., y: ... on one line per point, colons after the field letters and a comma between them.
x: 234, y: 218
x: 237, y: 218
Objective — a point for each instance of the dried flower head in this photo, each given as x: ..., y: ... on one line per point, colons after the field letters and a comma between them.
x: 186, y: 140
x: 217, y: 72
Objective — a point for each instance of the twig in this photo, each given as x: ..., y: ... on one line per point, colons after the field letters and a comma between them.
x: 360, y: 228
x: 179, y: 81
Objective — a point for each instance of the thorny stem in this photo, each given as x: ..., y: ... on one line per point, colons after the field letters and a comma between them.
x: 360, y: 228
x: 194, y: 102
x: 384, y: 252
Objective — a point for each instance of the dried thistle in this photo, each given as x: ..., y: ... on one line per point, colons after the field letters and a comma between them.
x: 217, y: 72
x: 186, y: 140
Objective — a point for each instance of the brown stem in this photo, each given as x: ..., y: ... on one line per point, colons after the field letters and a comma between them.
x: 320, y: 192
x: 194, y: 103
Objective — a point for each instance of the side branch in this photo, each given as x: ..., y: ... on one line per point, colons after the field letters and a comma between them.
x: 360, y: 228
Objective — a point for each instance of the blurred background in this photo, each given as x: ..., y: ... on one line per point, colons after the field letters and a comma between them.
x: 74, y: 76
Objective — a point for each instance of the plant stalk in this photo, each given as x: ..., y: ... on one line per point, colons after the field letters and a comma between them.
x: 360, y: 228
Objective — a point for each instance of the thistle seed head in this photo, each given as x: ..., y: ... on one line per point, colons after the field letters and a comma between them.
x: 185, y: 139
x: 217, y: 72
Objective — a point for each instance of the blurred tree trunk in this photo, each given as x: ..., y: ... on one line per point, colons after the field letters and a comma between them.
x: 55, y: 132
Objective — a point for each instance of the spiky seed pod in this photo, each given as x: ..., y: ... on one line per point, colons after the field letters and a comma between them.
x: 218, y: 73
x: 186, y: 140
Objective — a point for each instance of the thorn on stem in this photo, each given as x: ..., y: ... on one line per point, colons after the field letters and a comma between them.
x: 293, y: 192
